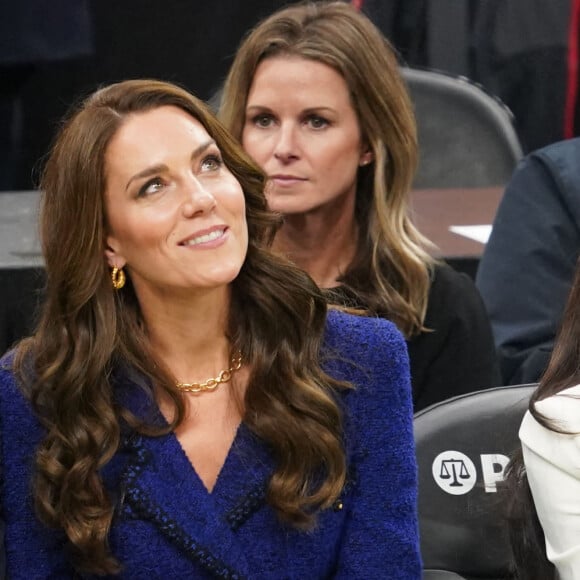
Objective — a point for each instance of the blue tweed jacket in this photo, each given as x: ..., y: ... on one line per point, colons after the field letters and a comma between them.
x: 168, y: 526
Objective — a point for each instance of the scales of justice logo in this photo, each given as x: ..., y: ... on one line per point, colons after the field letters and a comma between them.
x: 454, y: 472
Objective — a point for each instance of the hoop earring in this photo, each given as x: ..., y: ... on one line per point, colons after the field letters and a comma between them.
x: 118, y: 278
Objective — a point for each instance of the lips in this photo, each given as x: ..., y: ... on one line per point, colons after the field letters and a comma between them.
x: 282, y: 177
x: 282, y: 180
x: 204, y: 236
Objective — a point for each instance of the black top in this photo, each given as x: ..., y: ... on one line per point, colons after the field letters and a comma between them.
x: 458, y: 355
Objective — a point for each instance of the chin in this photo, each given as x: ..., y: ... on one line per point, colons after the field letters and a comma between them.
x: 226, y: 274
x: 282, y: 203
x: 285, y: 208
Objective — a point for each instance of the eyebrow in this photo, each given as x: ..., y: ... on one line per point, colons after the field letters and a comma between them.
x: 263, y: 108
x: 154, y: 169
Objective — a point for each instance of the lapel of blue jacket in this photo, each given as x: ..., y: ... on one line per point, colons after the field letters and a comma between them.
x: 159, y: 484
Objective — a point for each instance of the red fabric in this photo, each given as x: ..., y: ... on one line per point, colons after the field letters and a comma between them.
x: 572, y: 84
x: 357, y: 4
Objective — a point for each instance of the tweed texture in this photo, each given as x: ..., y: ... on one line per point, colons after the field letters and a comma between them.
x: 168, y: 526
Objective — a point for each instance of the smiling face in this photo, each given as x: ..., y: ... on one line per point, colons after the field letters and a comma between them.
x: 302, y: 129
x: 175, y: 214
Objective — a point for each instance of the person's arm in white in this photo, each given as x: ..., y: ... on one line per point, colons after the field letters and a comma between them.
x: 552, y: 463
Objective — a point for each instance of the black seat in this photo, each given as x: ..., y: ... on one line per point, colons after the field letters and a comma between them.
x: 466, y: 136
x: 440, y: 575
x: 463, y: 447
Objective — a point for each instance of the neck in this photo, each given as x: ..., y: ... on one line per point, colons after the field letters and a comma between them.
x: 321, y: 246
x: 188, y: 333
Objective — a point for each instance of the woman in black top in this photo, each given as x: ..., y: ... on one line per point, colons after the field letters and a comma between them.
x: 315, y: 96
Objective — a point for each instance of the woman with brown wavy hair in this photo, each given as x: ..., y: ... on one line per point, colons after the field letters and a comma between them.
x: 316, y: 98
x: 187, y: 407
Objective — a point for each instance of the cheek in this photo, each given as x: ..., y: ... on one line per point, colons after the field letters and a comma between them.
x: 254, y: 144
x: 232, y: 197
x: 140, y: 232
x: 246, y: 136
x: 342, y: 158
x: 242, y: 213
x: 242, y: 226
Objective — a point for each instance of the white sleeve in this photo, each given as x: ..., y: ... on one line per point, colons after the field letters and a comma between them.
x: 552, y: 463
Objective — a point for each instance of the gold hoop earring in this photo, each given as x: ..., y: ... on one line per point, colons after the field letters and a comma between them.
x: 118, y: 278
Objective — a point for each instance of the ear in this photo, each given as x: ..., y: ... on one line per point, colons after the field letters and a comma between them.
x: 366, y: 157
x: 112, y: 252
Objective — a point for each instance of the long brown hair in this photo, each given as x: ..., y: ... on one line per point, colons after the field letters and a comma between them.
x: 563, y: 371
x: 391, y: 271
x: 89, y: 333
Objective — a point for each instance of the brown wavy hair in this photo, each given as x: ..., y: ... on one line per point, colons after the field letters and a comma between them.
x: 563, y: 371
x: 391, y: 271
x: 88, y: 332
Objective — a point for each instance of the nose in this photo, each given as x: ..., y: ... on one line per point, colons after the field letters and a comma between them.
x: 198, y: 200
x: 286, y: 146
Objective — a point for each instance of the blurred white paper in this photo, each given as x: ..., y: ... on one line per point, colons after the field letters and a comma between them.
x: 478, y: 233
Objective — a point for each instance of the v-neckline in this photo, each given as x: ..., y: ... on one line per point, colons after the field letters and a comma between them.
x: 180, y: 451
x: 247, y: 465
x: 222, y: 470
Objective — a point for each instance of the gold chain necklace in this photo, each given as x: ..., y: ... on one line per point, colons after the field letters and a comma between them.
x: 211, y: 384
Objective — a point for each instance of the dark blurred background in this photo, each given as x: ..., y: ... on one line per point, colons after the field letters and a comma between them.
x: 53, y: 52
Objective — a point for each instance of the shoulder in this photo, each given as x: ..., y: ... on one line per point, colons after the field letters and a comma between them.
x: 555, y: 172
x: 562, y: 156
x: 371, y: 354
x: 454, y: 290
x: 339, y: 322
x: 13, y: 403
x: 562, y: 410
x: 363, y: 338
x: 546, y: 450
x: 445, y: 279
x: 8, y: 381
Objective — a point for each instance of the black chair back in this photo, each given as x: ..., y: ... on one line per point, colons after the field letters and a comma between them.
x: 466, y: 136
x: 463, y: 447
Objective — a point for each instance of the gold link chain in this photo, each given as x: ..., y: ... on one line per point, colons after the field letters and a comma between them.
x: 211, y: 384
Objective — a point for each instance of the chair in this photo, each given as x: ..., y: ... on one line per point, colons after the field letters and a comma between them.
x: 466, y: 136
x: 440, y: 575
x: 463, y: 446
